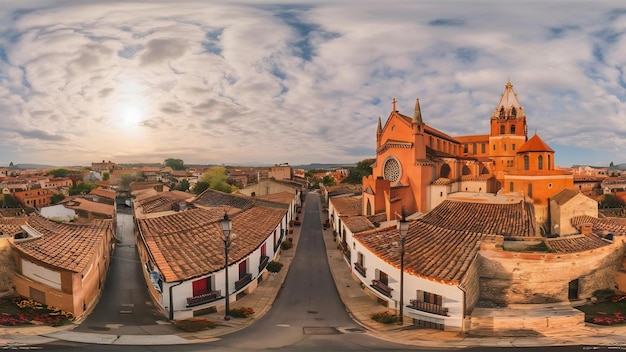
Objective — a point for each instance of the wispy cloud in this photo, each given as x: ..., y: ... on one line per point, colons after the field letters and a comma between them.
x: 210, y: 82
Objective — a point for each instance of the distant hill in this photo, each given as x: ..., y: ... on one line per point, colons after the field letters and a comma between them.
x: 322, y: 166
x: 31, y: 167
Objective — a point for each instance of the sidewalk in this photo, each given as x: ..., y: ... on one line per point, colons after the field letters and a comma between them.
x: 357, y: 302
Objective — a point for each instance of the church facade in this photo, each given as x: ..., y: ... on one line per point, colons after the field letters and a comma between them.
x: 418, y: 166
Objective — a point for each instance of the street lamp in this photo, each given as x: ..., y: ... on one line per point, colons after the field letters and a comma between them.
x: 227, y: 227
x: 403, y: 228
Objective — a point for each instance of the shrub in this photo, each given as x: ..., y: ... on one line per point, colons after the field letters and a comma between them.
x: 384, y: 317
x: 603, y: 294
x: 195, y: 324
x: 286, y: 245
x: 274, y: 266
x: 242, y: 312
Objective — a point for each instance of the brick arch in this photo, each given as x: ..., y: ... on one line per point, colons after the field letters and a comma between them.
x: 445, y: 171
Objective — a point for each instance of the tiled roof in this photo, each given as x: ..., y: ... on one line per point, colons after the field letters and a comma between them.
x: 600, y: 225
x: 432, y: 252
x: 11, y: 226
x: 378, y: 218
x: 575, y: 243
x: 66, y: 246
x: 89, y: 206
x: 212, y: 198
x: 281, y: 197
x: 564, y: 196
x: 442, y: 181
x: 343, y: 189
x: 357, y: 223
x: 104, y: 193
x: 347, y: 205
x: 506, y: 219
x: 189, y: 244
x: 162, y: 201
x: 535, y: 144
x: 473, y: 138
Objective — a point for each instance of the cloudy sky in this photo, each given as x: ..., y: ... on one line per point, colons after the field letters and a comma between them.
x: 271, y: 82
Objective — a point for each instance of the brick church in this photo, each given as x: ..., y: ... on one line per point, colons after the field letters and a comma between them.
x: 417, y: 166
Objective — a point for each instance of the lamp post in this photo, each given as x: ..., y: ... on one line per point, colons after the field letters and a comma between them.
x: 227, y: 226
x: 403, y: 228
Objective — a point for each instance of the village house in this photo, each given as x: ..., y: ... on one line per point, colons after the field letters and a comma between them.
x: 35, y: 198
x: 62, y: 264
x: 182, y: 252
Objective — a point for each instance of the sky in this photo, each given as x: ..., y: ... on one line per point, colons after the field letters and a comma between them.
x: 263, y: 83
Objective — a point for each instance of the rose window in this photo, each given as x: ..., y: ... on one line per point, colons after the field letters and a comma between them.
x: 391, y: 170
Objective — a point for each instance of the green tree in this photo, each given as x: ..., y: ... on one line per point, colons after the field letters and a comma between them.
x: 9, y: 202
x: 127, y: 179
x: 183, y: 185
x: 58, y: 173
x: 610, y: 201
x: 217, y: 179
x: 106, y: 176
x: 200, y: 187
x: 57, y: 197
x: 328, y: 180
x: 363, y: 168
x: 175, y: 164
x: 82, y: 188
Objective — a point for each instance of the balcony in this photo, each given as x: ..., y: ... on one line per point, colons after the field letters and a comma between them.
x: 360, y: 269
x: 243, y: 281
x: 428, y: 307
x: 263, y: 263
x: 381, y: 287
x: 347, y: 255
x: 204, y: 298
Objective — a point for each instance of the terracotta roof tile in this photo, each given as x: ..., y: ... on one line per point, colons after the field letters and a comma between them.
x: 347, y: 205
x: 357, y: 223
x: 11, y: 226
x: 104, y: 193
x: 431, y: 252
x: 78, y: 203
x: 67, y: 246
x: 280, y: 197
x: 600, y: 225
x: 575, y: 243
x: 535, y: 144
x: 188, y: 244
x: 564, y: 196
x: 506, y: 219
x: 212, y: 198
x: 161, y: 201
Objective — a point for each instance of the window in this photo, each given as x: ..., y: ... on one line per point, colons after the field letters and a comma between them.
x: 201, y: 286
x: 474, y: 148
x: 530, y: 190
x: 513, y: 146
x: 505, y: 147
x: 383, y: 277
x: 511, y: 188
x: 433, y: 298
x: 243, y: 269
x: 359, y: 258
x: 513, y: 112
x: 502, y: 111
x: 540, y: 162
x: 512, y: 129
x: 264, y: 250
x: 369, y: 207
x: 494, y: 147
x: 549, y: 162
x: 501, y: 129
x: 526, y: 162
x: 465, y: 150
x: 482, y: 148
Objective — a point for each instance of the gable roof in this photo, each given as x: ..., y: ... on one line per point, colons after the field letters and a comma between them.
x: 347, y: 205
x: 564, y: 196
x: 535, y: 144
x: 213, y: 198
x: 66, y: 246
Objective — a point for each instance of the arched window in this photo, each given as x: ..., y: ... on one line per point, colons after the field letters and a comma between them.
x: 445, y: 171
x: 369, y: 208
x: 501, y: 129
x: 511, y: 188
x: 466, y: 170
x: 530, y: 190
x: 540, y: 162
x: 512, y: 129
x: 513, y: 112
x: 549, y: 162
x: 502, y: 111
x: 526, y: 162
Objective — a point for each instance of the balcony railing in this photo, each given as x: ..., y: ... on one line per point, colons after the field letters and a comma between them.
x: 381, y: 287
x: 360, y: 269
x: 347, y: 254
x: 428, y: 307
x: 204, y: 298
x: 243, y: 281
x: 264, y: 260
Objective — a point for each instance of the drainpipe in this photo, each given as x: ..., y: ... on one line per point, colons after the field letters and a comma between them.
x: 172, y: 299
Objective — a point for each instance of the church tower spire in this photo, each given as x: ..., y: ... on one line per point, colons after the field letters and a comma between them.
x: 417, y: 113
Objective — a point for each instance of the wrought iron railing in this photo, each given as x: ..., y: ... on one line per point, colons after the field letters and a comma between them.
x: 239, y: 284
x: 428, y: 307
x: 381, y: 287
x: 264, y: 260
x: 204, y: 298
x: 360, y: 269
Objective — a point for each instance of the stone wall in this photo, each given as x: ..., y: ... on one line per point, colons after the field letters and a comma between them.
x: 517, y: 277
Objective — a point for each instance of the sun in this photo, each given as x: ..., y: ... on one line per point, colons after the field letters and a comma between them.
x: 131, y: 116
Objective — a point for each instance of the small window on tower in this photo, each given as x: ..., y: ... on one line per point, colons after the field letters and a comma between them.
x: 513, y: 112
x: 502, y: 129
x: 502, y: 111
x: 512, y: 129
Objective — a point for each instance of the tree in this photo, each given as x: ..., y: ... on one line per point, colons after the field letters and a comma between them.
x: 106, y: 176
x: 56, y: 173
x: 610, y: 201
x: 328, y: 180
x: 355, y: 175
x: 175, y: 164
x: 127, y: 179
x: 57, y: 197
x: 82, y: 188
x: 200, y: 187
x: 217, y: 179
x: 9, y: 202
x: 183, y: 185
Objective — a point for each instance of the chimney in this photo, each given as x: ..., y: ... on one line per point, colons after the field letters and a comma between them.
x: 586, y: 228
